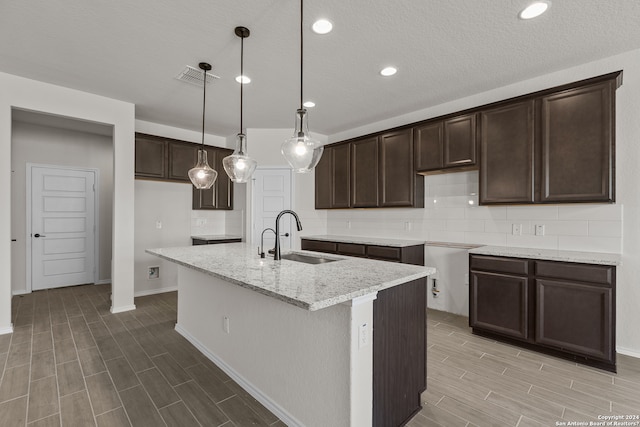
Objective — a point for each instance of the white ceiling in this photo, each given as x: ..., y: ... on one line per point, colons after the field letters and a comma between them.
x: 444, y: 50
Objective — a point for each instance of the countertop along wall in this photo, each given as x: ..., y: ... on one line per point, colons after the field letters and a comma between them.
x: 451, y: 213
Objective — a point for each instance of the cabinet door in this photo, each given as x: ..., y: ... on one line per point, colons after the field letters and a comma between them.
x: 341, y: 165
x: 575, y: 317
x: 364, y: 173
x: 507, y: 154
x: 459, y: 143
x: 324, y: 179
x: 577, y: 134
x: 224, y: 185
x: 182, y: 157
x: 428, y: 146
x: 151, y: 157
x: 499, y: 303
x: 206, y: 199
x: 397, y: 176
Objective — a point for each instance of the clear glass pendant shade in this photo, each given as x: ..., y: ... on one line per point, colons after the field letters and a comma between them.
x: 238, y: 165
x: 301, y: 151
x: 201, y: 175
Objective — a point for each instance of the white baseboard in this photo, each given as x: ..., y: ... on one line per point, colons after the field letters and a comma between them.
x: 155, y: 291
x: 20, y: 292
x: 6, y: 330
x: 628, y: 352
x: 276, y: 409
x: 103, y: 282
x: 124, y: 308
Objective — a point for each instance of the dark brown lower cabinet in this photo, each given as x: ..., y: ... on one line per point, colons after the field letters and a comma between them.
x: 399, y: 333
x: 559, y: 308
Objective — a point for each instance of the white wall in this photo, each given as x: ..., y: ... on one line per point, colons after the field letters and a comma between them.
x: 21, y: 93
x: 54, y: 146
x: 170, y: 203
x: 264, y: 146
x: 589, y: 227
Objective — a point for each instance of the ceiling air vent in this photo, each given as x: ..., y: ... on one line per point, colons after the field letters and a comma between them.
x: 194, y: 76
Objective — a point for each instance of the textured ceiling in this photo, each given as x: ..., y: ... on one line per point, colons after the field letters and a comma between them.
x: 444, y: 50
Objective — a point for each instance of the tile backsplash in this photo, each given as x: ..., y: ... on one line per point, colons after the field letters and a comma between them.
x: 452, y: 214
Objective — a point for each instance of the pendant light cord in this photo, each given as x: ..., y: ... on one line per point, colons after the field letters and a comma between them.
x: 204, y: 102
x: 301, y: 50
x: 241, y: 79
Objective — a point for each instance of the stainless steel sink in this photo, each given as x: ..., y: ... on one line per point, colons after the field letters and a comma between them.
x: 307, y: 258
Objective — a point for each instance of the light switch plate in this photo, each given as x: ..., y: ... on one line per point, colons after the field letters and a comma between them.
x: 516, y: 229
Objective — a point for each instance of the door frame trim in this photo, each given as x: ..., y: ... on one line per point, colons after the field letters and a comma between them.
x: 96, y: 200
x: 251, y: 209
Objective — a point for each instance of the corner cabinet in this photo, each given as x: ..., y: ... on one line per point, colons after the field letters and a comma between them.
x: 554, y: 146
x: 560, y: 308
x: 400, y: 334
x: 220, y: 195
x: 166, y: 159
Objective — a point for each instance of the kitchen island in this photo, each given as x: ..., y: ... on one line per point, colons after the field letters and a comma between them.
x: 297, y: 336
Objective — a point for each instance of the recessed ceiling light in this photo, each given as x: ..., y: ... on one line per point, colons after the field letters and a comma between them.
x: 309, y: 104
x: 534, y: 10
x: 388, y: 71
x: 243, y: 79
x: 322, y: 26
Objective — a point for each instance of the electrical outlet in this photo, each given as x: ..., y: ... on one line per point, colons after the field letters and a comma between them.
x: 153, y: 272
x: 516, y: 229
x: 540, y: 230
x: 158, y: 224
x: 363, y: 335
x: 349, y: 225
x: 225, y: 324
x: 466, y: 279
x: 407, y: 225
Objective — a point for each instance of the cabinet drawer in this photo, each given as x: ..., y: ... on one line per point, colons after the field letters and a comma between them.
x: 502, y: 265
x: 384, y: 252
x: 351, y: 249
x: 576, y: 272
x: 319, y: 246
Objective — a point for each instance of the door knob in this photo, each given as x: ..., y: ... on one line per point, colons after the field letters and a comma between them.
x: 39, y: 235
x: 285, y: 234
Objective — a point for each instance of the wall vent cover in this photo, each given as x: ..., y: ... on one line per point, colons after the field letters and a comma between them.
x: 194, y: 76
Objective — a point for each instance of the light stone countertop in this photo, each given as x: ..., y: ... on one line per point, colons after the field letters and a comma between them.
x: 550, y: 254
x: 215, y: 236
x: 309, y: 286
x: 398, y: 243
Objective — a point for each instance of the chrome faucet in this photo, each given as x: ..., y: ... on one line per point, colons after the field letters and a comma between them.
x: 276, y: 256
x: 261, y: 248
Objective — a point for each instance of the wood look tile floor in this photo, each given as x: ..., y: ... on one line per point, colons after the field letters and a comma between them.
x: 474, y: 381
x: 70, y: 362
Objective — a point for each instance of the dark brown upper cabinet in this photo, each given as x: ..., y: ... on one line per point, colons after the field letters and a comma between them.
x: 428, y: 145
x: 220, y: 195
x: 324, y: 179
x: 182, y: 157
x: 397, y: 175
x: 166, y: 159
x: 152, y: 160
x: 364, y: 173
x: 553, y: 146
x: 507, y: 154
x: 577, y: 144
x: 459, y: 147
x: 341, y: 173
x: 444, y: 144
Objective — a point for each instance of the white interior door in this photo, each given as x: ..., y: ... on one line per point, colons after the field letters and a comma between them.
x: 62, y: 227
x: 271, y: 194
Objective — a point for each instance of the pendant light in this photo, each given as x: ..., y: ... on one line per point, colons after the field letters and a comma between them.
x: 238, y: 165
x: 201, y: 175
x: 301, y: 151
